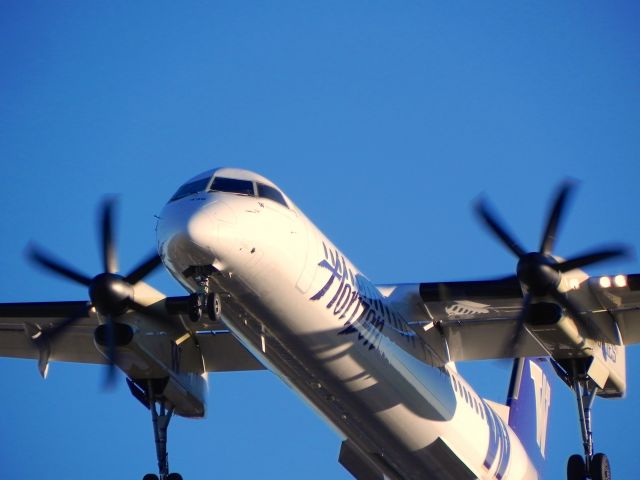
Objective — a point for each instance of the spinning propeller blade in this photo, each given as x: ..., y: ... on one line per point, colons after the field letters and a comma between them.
x: 539, y: 272
x: 109, y: 256
x: 482, y: 209
x: 549, y: 236
x: 47, y: 262
x: 110, y: 294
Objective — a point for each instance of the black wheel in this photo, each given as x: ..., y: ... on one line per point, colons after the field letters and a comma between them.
x: 600, y: 468
x: 195, y: 307
x: 150, y: 476
x: 214, y: 307
x: 576, y: 469
x: 174, y: 476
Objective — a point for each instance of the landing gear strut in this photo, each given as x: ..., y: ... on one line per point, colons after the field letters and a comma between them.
x: 160, y: 417
x: 594, y: 467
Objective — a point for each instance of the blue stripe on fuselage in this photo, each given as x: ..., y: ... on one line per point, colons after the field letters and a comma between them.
x: 499, y: 443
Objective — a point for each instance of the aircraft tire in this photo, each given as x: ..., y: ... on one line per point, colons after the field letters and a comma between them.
x: 195, y: 308
x: 174, y: 476
x: 150, y: 476
x: 576, y: 469
x: 600, y: 468
x: 214, y: 307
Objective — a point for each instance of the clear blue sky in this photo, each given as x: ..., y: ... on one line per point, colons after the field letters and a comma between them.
x: 381, y: 120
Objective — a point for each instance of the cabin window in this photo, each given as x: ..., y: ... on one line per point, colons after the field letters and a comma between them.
x: 190, y: 188
x: 265, y: 191
x: 232, y: 185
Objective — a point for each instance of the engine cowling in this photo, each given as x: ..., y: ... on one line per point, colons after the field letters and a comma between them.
x: 174, y: 365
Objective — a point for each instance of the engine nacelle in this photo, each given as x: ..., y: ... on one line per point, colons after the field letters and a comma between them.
x: 174, y: 366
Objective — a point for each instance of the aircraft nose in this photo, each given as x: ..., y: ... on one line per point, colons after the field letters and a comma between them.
x: 201, y: 227
x: 189, y: 230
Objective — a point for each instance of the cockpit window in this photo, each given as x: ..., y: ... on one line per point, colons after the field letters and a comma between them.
x: 191, y: 187
x: 265, y: 191
x: 232, y: 185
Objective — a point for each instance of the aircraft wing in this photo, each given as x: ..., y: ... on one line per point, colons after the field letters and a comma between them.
x: 478, y: 319
x: 220, y: 350
x: 623, y: 303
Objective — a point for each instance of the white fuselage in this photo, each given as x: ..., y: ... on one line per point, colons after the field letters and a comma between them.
x: 298, y: 303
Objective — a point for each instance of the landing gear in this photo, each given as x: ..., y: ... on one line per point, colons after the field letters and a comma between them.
x: 594, y: 467
x: 214, y: 306
x: 171, y: 476
x: 195, y: 307
x: 160, y: 417
x: 576, y: 469
x: 600, y: 469
x: 210, y: 302
x: 204, y: 299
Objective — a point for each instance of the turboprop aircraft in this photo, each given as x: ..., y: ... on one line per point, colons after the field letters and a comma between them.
x: 266, y: 289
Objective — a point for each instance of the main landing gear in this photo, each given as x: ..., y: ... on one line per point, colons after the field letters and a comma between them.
x: 160, y: 417
x: 589, y: 466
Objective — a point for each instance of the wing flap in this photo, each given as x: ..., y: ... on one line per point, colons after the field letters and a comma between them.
x: 222, y: 352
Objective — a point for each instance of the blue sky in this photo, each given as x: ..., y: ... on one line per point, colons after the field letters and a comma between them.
x: 383, y: 121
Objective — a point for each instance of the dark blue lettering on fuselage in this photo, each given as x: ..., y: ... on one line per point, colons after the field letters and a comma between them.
x: 355, y: 301
x: 499, y: 443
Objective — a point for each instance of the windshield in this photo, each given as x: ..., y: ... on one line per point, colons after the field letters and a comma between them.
x: 191, y: 187
x: 232, y: 185
x: 265, y: 191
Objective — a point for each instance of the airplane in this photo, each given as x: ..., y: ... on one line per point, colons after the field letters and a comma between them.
x: 265, y: 288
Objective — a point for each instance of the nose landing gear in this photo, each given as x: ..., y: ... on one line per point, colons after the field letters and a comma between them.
x: 204, y: 299
x: 209, y: 302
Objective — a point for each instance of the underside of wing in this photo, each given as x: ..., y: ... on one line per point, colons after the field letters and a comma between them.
x: 620, y: 298
x: 474, y: 320
x: 479, y: 320
x: 222, y: 352
x: 21, y: 324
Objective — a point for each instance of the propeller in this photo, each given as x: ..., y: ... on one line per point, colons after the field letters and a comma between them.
x: 539, y: 272
x: 110, y: 293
